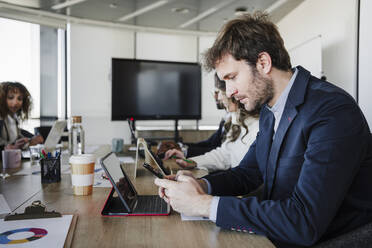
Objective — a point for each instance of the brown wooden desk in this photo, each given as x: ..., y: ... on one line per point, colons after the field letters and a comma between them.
x: 93, y: 230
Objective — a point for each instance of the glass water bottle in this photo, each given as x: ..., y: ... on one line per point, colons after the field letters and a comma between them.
x: 76, y: 137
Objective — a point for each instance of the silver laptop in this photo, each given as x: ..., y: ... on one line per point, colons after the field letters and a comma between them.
x: 52, y: 140
x: 54, y: 135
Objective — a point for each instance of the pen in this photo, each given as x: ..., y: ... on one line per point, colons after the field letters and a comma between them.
x: 184, y: 159
x: 45, y: 155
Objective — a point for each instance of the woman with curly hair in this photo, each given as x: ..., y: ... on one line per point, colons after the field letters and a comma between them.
x: 240, y: 132
x: 15, y: 106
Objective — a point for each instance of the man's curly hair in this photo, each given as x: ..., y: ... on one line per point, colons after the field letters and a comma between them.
x: 245, y: 38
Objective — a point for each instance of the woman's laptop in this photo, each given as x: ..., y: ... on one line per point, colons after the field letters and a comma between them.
x: 54, y: 135
x: 128, y: 202
x: 52, y: 139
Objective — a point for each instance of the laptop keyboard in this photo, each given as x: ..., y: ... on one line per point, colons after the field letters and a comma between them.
x: 148, y: 204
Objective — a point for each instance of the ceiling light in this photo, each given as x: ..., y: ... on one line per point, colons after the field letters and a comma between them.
x: 275, y: 6
x: 66, y: 4
x: 240, y: 11
x: 206, y: 13
x: 180, y: 10
x: 143, y: 10
x: 113, y: 5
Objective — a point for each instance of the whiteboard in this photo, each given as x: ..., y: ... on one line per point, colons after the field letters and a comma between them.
x: 365, y: 65
x: 308, y: 54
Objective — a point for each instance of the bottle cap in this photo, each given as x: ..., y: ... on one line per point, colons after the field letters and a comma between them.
x: 76, y: 119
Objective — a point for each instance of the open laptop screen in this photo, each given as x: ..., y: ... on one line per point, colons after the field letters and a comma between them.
x: 127, y: 192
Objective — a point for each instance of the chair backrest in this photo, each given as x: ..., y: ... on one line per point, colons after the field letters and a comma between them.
x: 358, y: 238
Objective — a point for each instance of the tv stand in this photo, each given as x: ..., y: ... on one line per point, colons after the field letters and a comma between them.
x: 132, y: 127
x: 176, y: 133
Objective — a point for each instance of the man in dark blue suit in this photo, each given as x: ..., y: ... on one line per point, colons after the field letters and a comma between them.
x: 313, y: 151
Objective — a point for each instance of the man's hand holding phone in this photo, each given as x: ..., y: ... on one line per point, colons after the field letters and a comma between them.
x: 185, y: 194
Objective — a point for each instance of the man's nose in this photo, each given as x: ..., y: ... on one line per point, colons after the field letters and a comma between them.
x: 230, y: 90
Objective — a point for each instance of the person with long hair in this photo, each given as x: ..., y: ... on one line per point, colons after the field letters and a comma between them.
x: 240, y: 132
x: 15, y: 106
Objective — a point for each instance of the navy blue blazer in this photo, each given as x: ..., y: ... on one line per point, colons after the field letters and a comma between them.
x: 214, y: 141
x: 317, y: 175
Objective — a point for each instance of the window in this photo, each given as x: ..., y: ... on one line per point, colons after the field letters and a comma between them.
x: 34, y: 56
x: 20, y: 57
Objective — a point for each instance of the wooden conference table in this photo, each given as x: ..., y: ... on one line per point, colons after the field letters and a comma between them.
x: 93, y: 230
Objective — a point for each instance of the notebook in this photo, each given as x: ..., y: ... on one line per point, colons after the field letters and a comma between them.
x: 128, y: 202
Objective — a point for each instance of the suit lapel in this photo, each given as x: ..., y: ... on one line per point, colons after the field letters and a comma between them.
x: 289, y: 114
x: 265, y: 139
x: 295, y: 98
x: 264, y: 143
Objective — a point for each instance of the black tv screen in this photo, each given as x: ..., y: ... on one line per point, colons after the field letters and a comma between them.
x: 143, y: 90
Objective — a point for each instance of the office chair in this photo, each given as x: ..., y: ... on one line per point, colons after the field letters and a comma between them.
x: 358, y: 238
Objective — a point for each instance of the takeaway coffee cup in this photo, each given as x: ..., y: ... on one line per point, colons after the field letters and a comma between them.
x: 11, y: 158
x: 82, y: 173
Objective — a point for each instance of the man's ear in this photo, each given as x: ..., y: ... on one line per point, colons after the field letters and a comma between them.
x: 263, y: 64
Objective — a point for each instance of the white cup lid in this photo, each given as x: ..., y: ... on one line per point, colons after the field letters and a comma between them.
x: 83, y: 159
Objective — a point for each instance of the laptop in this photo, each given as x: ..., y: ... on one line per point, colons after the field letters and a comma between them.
x: 52, y: 139
x: 128, y: 202
x: 54, y: 135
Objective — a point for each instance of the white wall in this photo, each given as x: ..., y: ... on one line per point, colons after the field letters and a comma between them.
x: 336, y: 22
x: 211, y: 116
x: 91, y: 49
x: 90, y: 52
x: 365, y: 53
x: 166, y: 47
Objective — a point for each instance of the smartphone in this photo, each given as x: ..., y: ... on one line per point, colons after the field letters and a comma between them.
x: 153, y: 171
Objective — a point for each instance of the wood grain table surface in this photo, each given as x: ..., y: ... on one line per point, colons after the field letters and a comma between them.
x: 94, y: 230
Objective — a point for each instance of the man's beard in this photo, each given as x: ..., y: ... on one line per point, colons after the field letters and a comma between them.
x: 264, y: 92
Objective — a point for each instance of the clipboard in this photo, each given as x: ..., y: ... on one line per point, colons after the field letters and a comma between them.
x: 37, y: 211
x: 149, y: 158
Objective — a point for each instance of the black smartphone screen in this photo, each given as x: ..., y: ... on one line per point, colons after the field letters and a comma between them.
x: 153, y: 170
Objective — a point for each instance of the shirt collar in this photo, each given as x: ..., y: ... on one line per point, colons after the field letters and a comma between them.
x: 280, y: 103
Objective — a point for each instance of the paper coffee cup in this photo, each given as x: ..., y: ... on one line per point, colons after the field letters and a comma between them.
x: 82, y: 173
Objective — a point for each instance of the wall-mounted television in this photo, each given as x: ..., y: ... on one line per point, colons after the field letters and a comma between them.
x: 145, y: 90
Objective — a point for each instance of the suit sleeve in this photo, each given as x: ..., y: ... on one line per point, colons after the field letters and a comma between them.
x: 214, y: 140
x: 337, y: 142
x: 240, y: 180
